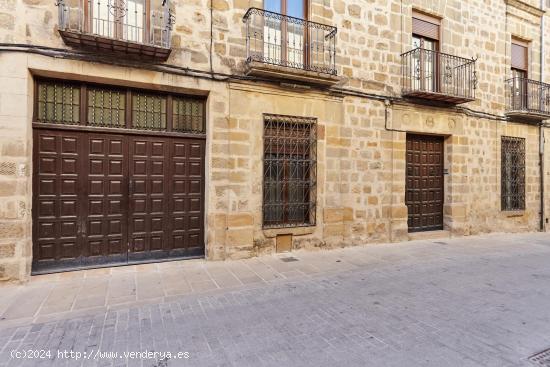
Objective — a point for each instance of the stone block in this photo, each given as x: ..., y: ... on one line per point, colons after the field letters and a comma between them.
x: 332, y: 215
x: 7, y: 250
x: 239, y: 220
x: 241, y: 237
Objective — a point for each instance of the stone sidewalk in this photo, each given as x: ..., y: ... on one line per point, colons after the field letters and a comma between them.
x: 476, y: 301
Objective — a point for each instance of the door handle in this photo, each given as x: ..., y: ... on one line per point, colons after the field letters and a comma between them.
x: 131, y: 187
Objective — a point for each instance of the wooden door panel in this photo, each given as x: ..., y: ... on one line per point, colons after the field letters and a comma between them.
x: 56, y: 213
x: 187, y: 204
x: 149, y: 159
x: 424, y: 182
x: 167, y: 201
x: 105, y: 225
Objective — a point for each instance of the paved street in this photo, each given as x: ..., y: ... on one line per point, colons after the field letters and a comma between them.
x: 478, y: 301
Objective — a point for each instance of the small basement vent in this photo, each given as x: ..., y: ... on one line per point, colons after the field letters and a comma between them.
x: 541, y: 359
x: 288, y: 259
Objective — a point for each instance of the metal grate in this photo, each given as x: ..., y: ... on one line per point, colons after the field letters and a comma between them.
x: 289, y: 259
x: 512, y: 173
x: 149, y: 112
x: 58, y: 102
x: 7, y: 168
x: 106, y: 107
x: 290, y: 160
x: 541, y: 359
x: 188, y: 115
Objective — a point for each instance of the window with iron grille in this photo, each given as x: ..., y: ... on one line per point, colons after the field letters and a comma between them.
x: 58, y: 103
x: 104, y: 106
x: 149, y: 112
x: 188, y: 115
x: 290, y: 164
x: 512, y: 173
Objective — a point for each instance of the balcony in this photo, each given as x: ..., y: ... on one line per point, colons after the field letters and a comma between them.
x: 437, y: 77
x: 527, y: 99
x: 137, y: 29
x: 284, y: 47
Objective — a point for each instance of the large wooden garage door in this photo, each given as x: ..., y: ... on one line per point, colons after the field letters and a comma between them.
x: 118, y: 176
x: 102, y: 198
x: 424, y: 182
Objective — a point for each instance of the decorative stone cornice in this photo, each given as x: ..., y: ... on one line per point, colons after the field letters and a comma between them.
x: 521, y: 5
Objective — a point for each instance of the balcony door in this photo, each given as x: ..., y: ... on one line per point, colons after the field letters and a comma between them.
x: 426, y: 62
x: 285, y: 37
x: 520, y: 95
x: 121, y: 19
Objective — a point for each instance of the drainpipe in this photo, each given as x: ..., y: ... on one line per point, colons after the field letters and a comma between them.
x: 541, y: 129
x: 541, y: 157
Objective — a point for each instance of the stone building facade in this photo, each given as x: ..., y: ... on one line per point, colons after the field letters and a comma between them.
x: 365, y: 124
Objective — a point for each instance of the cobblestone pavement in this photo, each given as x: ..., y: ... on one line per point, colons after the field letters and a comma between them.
x: 477, y: 301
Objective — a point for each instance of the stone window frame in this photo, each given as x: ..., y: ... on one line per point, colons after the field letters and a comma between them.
x: 287, y: 136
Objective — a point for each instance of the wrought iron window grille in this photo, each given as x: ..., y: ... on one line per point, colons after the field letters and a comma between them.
x: 512, y: 173
x: 290, y: 171
x: 58, y: 103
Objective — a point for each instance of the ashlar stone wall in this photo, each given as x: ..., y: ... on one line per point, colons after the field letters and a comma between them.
x: 361, y: 139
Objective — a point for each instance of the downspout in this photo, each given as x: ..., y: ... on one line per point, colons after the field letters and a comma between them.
x: 212, y: 36
x: 541, y: 157
x: 541, y: 129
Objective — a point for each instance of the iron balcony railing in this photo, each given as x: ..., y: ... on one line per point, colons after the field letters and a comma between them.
x: 277, y: 39
x: 124, y: 20
x: 438, y: 76
x: 528, y: 96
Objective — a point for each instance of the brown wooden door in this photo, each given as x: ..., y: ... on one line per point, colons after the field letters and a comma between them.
x: 424, y: 182
x: 106, y: 198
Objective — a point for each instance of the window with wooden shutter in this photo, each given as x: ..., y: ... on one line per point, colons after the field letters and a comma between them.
x: 425, y: 26
x: 519, y: 56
